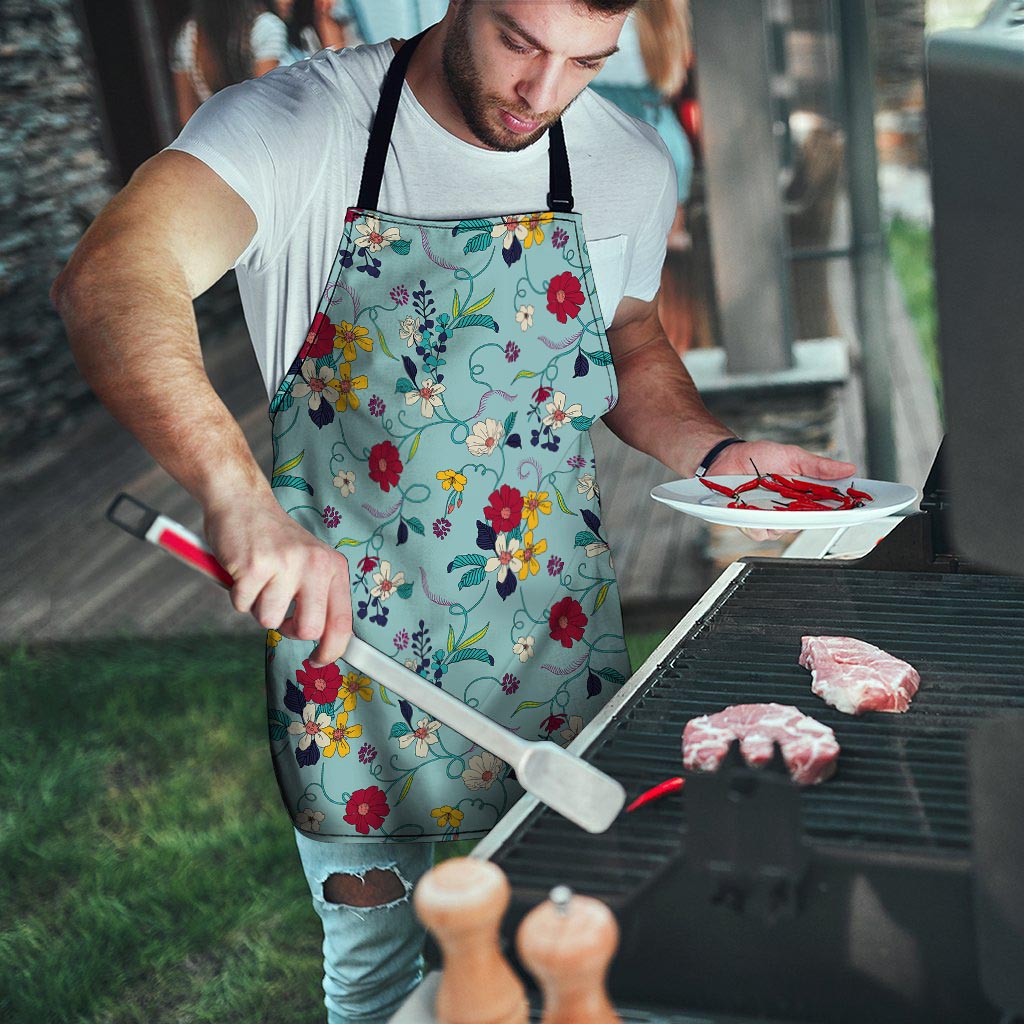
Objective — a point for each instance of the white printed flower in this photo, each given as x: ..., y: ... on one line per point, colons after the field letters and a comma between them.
x: 511, y: 228
x: 429, y: 392
x: 409, y: 329
x: 523, y: 648
x: 317, y: 384
x: 425, y: 735
x: 371, y: 237
x: 558, y: 415
x: 598, y: 548
x: 485, y: 437
x: 525, y: 317
x: 572, y: 730
x: 386, y: 583
x: 345, y: 481
x: 483, y: 771
x: 311, y: 727
x: 506, y: 557
x: 309, y: 820
x: 588, y: 486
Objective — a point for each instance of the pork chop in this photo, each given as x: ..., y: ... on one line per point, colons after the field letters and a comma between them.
x: 809, y: 748
x: 854, y: 677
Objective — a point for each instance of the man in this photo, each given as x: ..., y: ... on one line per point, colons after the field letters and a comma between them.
x: 451, y: 367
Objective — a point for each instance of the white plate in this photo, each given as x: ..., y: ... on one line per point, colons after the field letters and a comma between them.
x: 693, y: 498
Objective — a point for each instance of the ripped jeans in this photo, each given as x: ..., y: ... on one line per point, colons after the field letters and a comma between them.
x: 372, y: 954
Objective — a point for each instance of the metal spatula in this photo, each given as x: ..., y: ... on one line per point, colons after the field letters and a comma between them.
x: 575, y: 789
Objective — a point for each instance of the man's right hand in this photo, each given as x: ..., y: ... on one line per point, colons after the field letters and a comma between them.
x: 275, y: 562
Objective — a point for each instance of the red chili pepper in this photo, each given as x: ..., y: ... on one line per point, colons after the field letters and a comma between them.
x: 656, y: 793
x: 863, y: 495
x: 721, y: 489
x: 806, y: 505
x: 809, y: 487
x: 749, y: 485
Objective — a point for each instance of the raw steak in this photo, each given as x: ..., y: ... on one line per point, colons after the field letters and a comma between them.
x: 809, y: 748
x: 855, y: 677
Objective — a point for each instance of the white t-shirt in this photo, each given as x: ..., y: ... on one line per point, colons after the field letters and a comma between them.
x: 292, y: 144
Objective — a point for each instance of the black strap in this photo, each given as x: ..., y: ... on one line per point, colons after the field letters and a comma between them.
x: 559, y: 197
x: 705, y: 463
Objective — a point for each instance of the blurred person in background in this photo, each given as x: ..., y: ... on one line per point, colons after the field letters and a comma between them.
x: 647, y: 75
x: 313, y: 25
x: 221, y: 43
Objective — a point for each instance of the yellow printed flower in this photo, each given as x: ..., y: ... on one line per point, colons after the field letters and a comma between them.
x: 447, y: 816
x: 528, y: 554
x: 273, y: 638
x: 535, y: 503
x: 346, y: 385
x: 449, y: 479
x: 354, y: 686
x: 340, y: 735
x: 346, y: 337
x: 534, y: 227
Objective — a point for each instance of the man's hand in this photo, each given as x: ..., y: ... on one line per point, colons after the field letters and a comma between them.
x: 771, y: 457
x: 275, y: 562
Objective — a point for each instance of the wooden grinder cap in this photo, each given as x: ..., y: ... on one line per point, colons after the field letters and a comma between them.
x: 462, y: 901
x: 567, y: 943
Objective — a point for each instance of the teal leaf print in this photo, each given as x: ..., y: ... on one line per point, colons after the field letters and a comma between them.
x: 478, y: 243
x: 461, y: 561
x: 600, y: 358
x: 291, y: 481
x: 401, y: 246
x: 281, y: 402
x: 471, y: 225
x: 327, y: 360
x: 405, y: 591
x: 414, y: 523
x: 582, y: 422
x: 399, y: 729
x: 473, y: 578
x: 279, y: 723
x: 585, y: 537
x: 476, y: 320
x: 510, y: 420
x: 471, y: 654
x: 404, y: 386
x: 612, y: 675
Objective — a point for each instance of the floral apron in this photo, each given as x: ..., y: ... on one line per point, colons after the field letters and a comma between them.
x: 435, y: 429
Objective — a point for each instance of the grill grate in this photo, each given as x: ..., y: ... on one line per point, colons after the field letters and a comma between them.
x: 902, y: 779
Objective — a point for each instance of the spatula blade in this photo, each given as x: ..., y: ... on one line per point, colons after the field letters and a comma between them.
x: 571, y: 786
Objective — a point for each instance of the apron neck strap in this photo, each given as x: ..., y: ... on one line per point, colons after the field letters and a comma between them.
x: 559, y: 197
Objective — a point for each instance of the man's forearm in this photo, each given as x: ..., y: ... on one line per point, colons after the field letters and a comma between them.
x: 133, y: 333
x: 660, y: 410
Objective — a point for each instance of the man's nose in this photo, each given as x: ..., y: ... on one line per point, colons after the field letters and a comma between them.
x: 539, y: 90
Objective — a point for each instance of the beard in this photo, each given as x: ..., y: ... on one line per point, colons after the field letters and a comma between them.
x: 479, y: 108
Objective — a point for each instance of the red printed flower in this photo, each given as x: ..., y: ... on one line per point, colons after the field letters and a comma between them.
x: 368, y: 564
x: 542, y: 394
x: 565, y: 297
x: 385, y: 465
x: 505, y: 509
x: 320, y: 339
x: 553, y: 722
x: 320, y: 685
x: 566, y: 621
x: 366, y: 809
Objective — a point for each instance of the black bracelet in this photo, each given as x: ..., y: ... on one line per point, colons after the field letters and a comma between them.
x: 705, y: 463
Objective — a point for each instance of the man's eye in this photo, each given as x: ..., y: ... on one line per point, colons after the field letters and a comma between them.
x: 514, y: 47
x: 589, y: 65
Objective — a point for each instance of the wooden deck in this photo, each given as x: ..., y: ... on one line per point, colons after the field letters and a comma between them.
x: 72, y: 574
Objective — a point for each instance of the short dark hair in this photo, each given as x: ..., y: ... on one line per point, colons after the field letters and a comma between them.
x: 609, y: 6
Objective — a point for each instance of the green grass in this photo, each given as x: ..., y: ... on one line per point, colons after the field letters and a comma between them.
x: 150, y: 872
x: 910, y: 246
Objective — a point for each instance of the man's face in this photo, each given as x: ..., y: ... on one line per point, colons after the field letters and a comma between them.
x: 513, y: 66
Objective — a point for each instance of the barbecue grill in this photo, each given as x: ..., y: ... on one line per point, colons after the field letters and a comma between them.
x: 893, y: 892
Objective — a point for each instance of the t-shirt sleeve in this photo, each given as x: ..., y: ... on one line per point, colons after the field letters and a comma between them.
x: 266, y: 139
x: 649, y: 254
x: 269, y: 38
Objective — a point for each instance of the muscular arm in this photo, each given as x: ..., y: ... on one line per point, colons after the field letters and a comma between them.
x: 126, y: 300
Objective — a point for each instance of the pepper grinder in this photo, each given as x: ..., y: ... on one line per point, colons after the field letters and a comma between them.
x: 567, y: 943
x: 461, y: 902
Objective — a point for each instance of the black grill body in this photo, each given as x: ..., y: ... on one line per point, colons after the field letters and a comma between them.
x: 846, y: 901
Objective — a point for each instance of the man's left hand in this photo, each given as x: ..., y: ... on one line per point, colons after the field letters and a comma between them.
x: 771, y: 457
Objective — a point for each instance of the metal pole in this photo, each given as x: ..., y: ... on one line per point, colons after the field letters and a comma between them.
x: 867, y: 236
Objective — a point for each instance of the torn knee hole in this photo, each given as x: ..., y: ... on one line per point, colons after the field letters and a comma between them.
x: 374, y: 889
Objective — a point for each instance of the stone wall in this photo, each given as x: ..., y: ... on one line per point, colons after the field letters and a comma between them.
x: 54, y: 178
